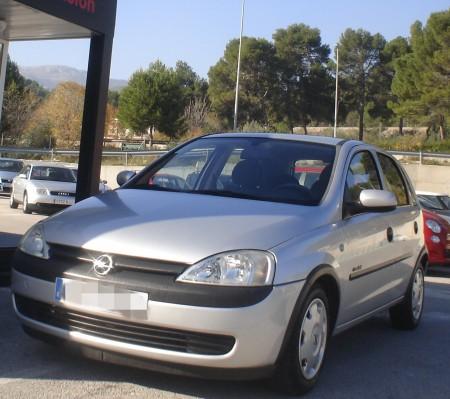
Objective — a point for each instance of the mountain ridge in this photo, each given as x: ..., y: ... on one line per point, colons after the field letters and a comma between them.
x: 49, y: 76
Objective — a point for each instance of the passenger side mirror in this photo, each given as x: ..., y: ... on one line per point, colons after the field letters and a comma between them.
x: 124, y: 176
x: 372, y: 201
x: 378, y: 200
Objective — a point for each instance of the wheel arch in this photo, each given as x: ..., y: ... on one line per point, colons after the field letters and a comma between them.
x: 325, y: 276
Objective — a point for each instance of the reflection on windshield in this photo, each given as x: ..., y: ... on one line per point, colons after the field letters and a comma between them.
x: 252, y: 168
x: 50, y: 173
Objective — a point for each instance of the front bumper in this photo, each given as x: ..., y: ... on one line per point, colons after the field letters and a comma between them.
x: 5, y: 188
x: 258, y: 330
x: 47, y: 201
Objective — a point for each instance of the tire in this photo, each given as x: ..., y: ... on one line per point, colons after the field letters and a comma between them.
x: 407, y: 315
x: 298, y: 369
x: 26, y: 206
x: 12, y: 202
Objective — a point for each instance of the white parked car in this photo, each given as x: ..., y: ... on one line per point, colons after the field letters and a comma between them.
x: 43, y: 187
x: 9, y: 168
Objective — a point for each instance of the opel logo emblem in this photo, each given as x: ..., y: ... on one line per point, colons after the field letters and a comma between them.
x: 103, y: 265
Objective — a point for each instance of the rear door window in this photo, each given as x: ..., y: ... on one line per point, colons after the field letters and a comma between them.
x: 393, y: 179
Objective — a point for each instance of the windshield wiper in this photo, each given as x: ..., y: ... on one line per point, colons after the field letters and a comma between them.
x: 153, y: 187
x: 226, y: 193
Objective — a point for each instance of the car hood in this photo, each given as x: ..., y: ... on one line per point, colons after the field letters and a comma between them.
x: 53, y: 185
x: 178, y: 227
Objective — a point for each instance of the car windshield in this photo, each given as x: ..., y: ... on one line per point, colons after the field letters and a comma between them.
x: 51, y: 173
x: 7, y: 165
x: 434, y: 202
x: 253, y: 168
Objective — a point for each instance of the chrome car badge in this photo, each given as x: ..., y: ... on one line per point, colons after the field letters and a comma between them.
x: 103, y: 265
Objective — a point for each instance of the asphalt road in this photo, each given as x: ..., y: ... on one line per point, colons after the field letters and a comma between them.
x: 13, y: 222
x: 369, y: 361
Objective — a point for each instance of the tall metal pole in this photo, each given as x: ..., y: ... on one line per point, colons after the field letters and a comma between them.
x: 336, y: 94
x: 236, y: 99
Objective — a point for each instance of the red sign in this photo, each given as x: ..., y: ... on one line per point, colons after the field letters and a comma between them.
x: 85, y: 5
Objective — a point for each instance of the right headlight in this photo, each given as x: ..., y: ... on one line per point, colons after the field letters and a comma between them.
x: 33, y: 242
x: 249, y: 268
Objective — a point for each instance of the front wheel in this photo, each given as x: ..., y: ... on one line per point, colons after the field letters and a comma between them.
x: 12, y: 202
x: 26, y: 206
x: 407, y: 315
x: 300, y: 365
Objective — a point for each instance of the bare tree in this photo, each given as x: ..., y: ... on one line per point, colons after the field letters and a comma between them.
x: 196, y: 112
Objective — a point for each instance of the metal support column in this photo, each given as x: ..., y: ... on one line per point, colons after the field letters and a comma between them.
x: 93, y: 126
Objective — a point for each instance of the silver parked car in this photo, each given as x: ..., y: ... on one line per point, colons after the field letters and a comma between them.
x: 216, y: 260
x: 41, y: 187
x: 9, y: 168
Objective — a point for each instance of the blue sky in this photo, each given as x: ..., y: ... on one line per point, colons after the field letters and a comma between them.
x: 197, y: 31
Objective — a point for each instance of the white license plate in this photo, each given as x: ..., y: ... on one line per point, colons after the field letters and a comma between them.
x: 62, y: 202
x: 99, y: 295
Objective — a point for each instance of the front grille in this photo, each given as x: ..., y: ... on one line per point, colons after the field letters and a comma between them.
x: 67, y: 253
x: 124, y: 331
x: 62, y: 193
x: 6, y: 181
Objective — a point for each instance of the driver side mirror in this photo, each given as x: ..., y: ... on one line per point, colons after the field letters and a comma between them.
x: 22, y: 176
x: 124, y: 176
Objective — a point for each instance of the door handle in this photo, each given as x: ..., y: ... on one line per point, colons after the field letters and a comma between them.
x: 390, y: 234
x: 416, y: 228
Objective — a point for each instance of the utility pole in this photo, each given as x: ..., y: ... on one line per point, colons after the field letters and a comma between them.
x: 336, y: 94
x: 236, y: 99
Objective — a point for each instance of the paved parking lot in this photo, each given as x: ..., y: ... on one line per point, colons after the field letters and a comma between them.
x: 13, y: 222
x: 369, y: 361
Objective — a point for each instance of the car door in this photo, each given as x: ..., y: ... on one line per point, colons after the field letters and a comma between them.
x: 366, y: 251
x: 403, y: 223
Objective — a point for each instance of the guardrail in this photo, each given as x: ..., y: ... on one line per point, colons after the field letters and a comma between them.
x: 125, y: 154
x: 52, y: 153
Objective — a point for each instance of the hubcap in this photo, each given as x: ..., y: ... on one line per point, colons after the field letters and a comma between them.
x: 313, y: 338
x: 417, y: 294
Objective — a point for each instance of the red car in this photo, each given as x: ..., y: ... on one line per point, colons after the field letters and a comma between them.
x: 437, y: 238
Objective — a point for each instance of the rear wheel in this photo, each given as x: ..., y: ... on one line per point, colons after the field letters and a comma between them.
x: 26, y: 206
x: 407, y: 315
x: 300, y: 365
x: 12, y: 202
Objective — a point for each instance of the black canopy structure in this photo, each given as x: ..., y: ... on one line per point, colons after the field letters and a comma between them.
x: 65, y: 19
x: 69, y: 19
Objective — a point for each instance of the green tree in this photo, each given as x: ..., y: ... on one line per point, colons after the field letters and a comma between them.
x: 305, y: 88
x: 20, y: 98
x: 153, y: 100
x: 193, y: 86
x: 360, y: 57
x: 393, y: 51
x: 421, y: 82
x: 258, y: 82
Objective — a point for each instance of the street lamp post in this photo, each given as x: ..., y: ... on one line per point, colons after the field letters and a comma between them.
x: 236, y: 99
x: 336, y: 93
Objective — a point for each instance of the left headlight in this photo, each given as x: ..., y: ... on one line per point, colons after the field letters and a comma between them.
x: 33, y: 242
x: 249, y: 268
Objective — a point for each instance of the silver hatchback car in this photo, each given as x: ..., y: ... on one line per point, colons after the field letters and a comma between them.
x: 234, y: 255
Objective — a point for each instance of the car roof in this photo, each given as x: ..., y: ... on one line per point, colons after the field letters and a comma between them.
x: 284, y: 136
x: 418, y: 192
